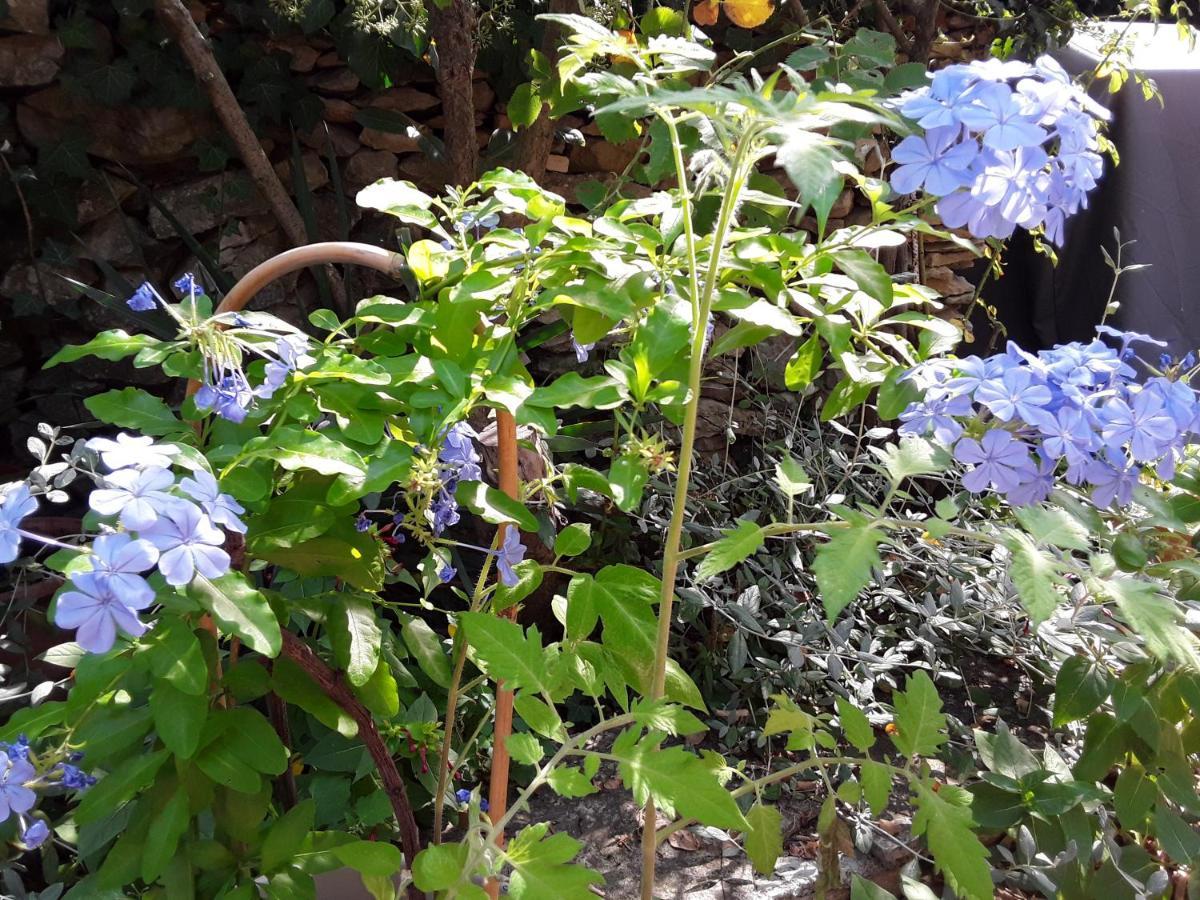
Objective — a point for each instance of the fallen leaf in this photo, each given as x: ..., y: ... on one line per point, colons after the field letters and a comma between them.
x: 748, y: 13
x: 684, y: 840
x: 705, y: 12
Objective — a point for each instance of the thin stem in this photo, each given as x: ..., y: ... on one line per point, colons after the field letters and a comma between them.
x: 701, y: 304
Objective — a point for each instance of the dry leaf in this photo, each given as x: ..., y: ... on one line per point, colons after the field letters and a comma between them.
x: 705, y: 12
x: 683, y: 840
x: 748, y: 13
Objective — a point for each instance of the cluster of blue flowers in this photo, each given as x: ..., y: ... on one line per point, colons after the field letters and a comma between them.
x: 1006, y: 144
x: 459, y: 461
x: 1016, y: 418
x: 168, y: 525
x: 225, y: 389
x: 23, y: 775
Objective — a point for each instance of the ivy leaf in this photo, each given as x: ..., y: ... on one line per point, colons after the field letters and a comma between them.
x: 541, y: 866
x: 511, y: 654
x: 239, y: 609
x: 493, y: 506
x: 355, y: 635
x: 843, y: 565
x: 110, y: 345
x: 1079, y: 688
x: 944, y: 818
x: 567, y: 781
x: 734, y: 546
x: 1035, y: 576
x: 764, y: 840
x: 920, y: 723
x: 1054, y: 526
x: 136, y: 409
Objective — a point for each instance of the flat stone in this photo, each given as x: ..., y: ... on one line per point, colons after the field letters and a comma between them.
x: 21, y: 281
x: 29, y: 60
x: 334, y: 81
x: 29, y: 16
x: 404, y: 99
x: 204, y: 204
x: 598, y: 155
x: 483, y: 96
x: 368, y: 166
x: 386, y: 140
x: 95, y: 200
x: 345, y: 142
x: 132, y: 135
x: 117, y: 239
x: 315, y: 174
x: 946, y: 282
x: 336, y: 110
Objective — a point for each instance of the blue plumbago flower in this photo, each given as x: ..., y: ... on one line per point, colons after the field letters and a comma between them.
x: 35, y: 835
x: 362, y: 523
x: 188, y: 544
x: 132, y: 451
x: 18, y: 749
x: 136, y: 496
x: 512, y: 551
x: 1018, y: 417
x: 97, y: 611
x: 582, y: 351
x: 472, y: 221
x: 17, y: 504
x: 74, y: 778
x: 1007, y: 145
x: 446, y: 573
x: 143, y: 299
x: 463, y: 796
x: 458, y: 452
x: 15, y: 795
x: 443, y: 513
x: 291, y: 354
x: 188, y: 286
x: 229, y: 396
x: 121, y: 559
x: 222, y: 509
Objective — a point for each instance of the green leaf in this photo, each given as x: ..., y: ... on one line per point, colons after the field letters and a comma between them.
x: 164, y: 834
x: 1035, y: 576
x: 136, y: 409
x: 573, y: 540
x: 679, y: 782
x: 895, y: 394
x: 287, y: 835
x: 294, y: 685
x: 861, y: 889
x: 295, y: 448
x: 572, y: 389
x: 342, y: 552
x: 494, y: 506
x: 245, y: 732
x: 734, y: 546
x: 178, y: 718
x: 1104, y: 742
x: 510, y: 653
x: 175, y: 656
x: 110, y: 345
x: 1157, y: 618
x: 791, y: 477
x: 524, y: 106
x: 855, y: 725
x: 876, y: 781
x: 920, y: 723
x: 843, y: 565
x: 1133, y: 795
x: 764, y: 840
x: 1176, y: 836
x: 1079, y: 688
x: 944, y: 818
x: 297, y: 515
x: 809, y: 161
x: 542, y: 869
x: 1054, y: 526
x: 355, y: 634
x: 525, y: 748
x: 118, y: 786
x: 239, y: 609
x: 439, y: 866
x: 627, y: 478
x: 567, y: 781
x: 370, y: 857
x: 870, y: 277
x: 427, y: 647
x: 911, y: 457
x: 805, y: 365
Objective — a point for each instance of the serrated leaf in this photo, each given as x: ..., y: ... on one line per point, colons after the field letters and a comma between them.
x: 764, y: 840
x: 1035, y: 576
x: 855, y: 725
x: 944, y: 818
x: 678, y: 782
x: 511, y: 654
x: 843, y: 565
x: 1054, y: 526
x: 791, y: 477
x: 525, y: 748
x: 1157, y: 618
x: 920, y: 723
x: 911, y: 457
x: 734, y: 546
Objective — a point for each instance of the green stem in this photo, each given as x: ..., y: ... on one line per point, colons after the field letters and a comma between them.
x: 701, y: 306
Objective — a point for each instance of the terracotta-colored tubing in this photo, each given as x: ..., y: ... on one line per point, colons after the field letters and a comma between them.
x: 506, y: 442
x: 264, y: 273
